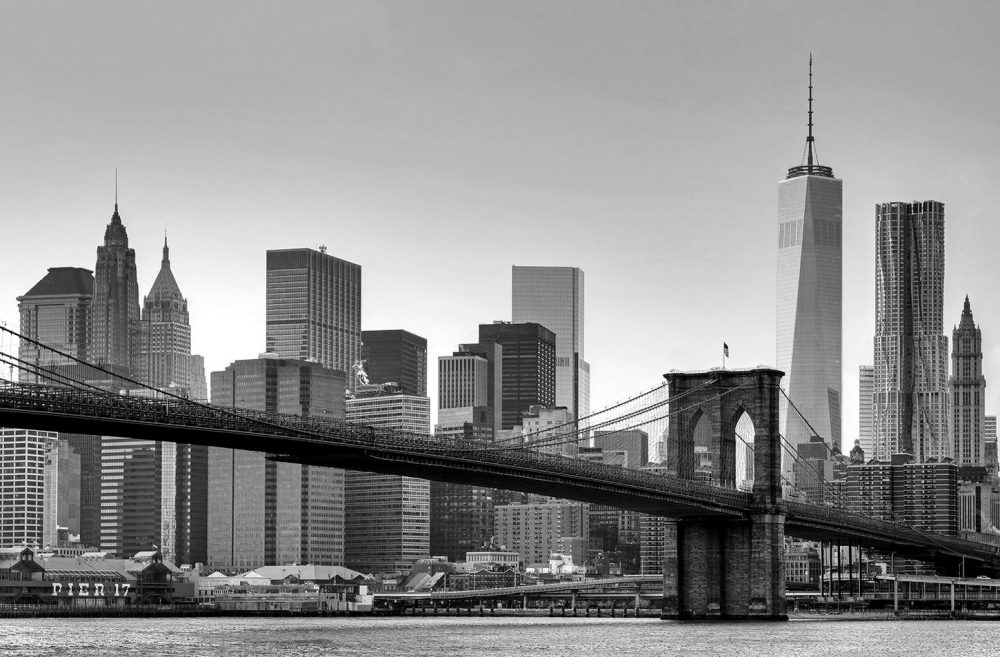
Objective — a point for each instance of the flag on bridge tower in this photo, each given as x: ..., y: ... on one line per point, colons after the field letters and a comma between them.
x: 725, y: 354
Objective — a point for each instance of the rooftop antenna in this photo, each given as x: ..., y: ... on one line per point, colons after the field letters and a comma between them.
x: 809, y: 165
x: 116, y: 183
x: 809, y: 139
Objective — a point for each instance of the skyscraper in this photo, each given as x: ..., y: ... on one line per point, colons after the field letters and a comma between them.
x: 115, y: 309
x: 528, y: 358
x: 56, y: 313
x: 462, y: 515
x: 968, y: 392
x: 866, y: 388
x: 138, y: 496
x: 553, y: 297
x: 163, y: 341
x: 263, y: 512
x: 396, y: 356
x: 387, y: 517
x: 809, y: 344
x: 26, y: 473
x: 314, y: 308
x: 910, y: 410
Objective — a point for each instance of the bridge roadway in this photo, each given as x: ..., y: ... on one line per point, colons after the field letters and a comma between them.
x: 331, y: 443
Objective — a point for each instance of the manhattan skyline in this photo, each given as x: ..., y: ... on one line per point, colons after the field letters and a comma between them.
x: 438, y: 144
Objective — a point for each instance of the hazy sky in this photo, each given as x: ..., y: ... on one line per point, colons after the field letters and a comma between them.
x: 438, y: 143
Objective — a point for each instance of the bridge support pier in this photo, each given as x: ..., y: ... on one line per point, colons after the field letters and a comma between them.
x: 727, y: 568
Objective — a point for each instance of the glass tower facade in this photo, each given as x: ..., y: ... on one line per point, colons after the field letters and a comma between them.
x: 809, y: 330
x: 553, y: 297
x: 263, y: 512
x: 910, y: 411
x: 314, y: 308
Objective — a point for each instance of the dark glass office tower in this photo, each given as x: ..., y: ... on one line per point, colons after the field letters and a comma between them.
x: 396, y: 356
x: 529, y: 366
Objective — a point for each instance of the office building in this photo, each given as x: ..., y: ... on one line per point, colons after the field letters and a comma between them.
x: 554, y: 298
x: 990, y: 444
x: 535, y: 531
x: 387, y: 517
x: 923, y: 495
x: 138, y: 497
x: 634, y: 442
x: 461, y: 516
x: 262, y: 511
x: 809, y: 331
x: 968, y: 392
x: 396, y: 356
x: 199, y: 384
x: 28, y: 465
x: 978, y: 511
x: 115, y: 308
x: 56, y: 313
x: 550, y: 430
x: 819, y: 473
x: 314, y: 308
x: 866, y: 388
x: 911, y: 405
x: 528, y: 367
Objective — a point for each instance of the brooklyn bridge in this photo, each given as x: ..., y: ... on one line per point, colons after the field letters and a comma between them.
x: 726, y: 527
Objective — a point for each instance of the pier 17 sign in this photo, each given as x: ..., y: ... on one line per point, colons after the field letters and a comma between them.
x: 86, y: 589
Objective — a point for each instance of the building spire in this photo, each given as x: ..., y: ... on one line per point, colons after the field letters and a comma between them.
x: 166, y: 251
x: 811, y: 167
x: 116, y: 218
x: 809, y: 139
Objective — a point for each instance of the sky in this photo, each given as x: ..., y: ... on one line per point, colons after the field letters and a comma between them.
x: 437, y: 144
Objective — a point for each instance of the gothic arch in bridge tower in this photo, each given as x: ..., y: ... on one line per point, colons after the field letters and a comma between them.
x: 718, y: 400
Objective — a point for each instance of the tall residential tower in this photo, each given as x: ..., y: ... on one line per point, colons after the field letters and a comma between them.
x: 810, y: 220
x: 910, y: 407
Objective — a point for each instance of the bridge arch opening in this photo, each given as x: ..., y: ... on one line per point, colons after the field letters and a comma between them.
x: 745, y: 434
x: 701, y: 438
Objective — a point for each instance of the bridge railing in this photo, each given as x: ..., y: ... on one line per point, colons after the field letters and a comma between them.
x: 391, y: 443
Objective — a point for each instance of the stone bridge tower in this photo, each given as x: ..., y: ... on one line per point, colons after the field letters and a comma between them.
x: 721, y: 567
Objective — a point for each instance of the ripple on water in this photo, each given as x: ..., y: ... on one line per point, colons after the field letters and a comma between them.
x: 488, y: 637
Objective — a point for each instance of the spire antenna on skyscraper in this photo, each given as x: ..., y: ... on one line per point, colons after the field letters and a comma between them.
x: 812, y: 166
x: 809, y: 138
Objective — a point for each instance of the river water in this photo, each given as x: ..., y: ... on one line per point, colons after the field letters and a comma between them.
x: 490, y: 637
